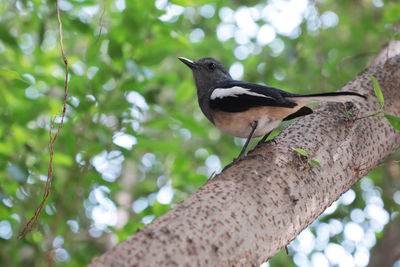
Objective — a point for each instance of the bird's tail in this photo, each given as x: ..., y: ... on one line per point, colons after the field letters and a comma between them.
x: 341, y: 97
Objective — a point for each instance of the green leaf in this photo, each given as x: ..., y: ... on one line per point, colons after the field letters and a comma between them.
x: 314, y: 162
x: 394, y: 121
x: 159, y: 209
x: 189, y: 123
x: 160, y: 123
x: 391, y: 13
x: 63, y: 159
x: 191, y: 2
x: 377, y: 89
x: 274, y: 133
x: 6, y: 37
x: 185, y: 91
x: 301, y: 151
x: 181, y: 164
x: 37, y: 237
x: 131, y: 227
x: 166, y: 146
x: 11, y: 75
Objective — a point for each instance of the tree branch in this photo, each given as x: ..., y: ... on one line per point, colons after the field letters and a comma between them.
x: 249, y: 212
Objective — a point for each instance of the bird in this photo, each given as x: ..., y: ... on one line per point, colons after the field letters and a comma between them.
x: 249, y: 110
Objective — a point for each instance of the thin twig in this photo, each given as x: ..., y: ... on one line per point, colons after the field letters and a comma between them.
x: 359, y: 169
x: 63, y: 108
x: 387, y: 61
x: 101, y: 20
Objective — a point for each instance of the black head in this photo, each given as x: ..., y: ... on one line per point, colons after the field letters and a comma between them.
x: 207, y: 72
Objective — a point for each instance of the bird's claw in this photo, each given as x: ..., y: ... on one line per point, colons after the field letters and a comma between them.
x: 235, y: 160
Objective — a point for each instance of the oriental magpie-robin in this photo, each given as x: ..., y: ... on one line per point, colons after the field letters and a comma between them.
x: 248, y: 110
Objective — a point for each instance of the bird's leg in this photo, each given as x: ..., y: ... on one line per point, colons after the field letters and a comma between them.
x: 241, y: 155
x: 253, y: 129
x: 262, y: 141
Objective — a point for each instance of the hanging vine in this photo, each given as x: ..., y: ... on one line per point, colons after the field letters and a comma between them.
x: 53, y: 136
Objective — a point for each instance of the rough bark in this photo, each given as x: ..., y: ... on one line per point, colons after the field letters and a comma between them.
x: 251, y: 210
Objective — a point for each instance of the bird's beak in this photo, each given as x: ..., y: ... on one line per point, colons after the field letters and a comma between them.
x: 191, y: 64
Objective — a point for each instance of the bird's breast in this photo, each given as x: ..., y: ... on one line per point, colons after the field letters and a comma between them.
x: 238, y: 124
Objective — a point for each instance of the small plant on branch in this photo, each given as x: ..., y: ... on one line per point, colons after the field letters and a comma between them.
x: 309, y: 161
x: 393, y: 120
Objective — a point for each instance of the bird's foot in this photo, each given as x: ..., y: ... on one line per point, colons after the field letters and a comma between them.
x: 242, y: 158
x: 236, y: 160
x: 261, y: 142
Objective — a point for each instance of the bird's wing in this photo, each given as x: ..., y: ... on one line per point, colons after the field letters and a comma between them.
x: 235, y: 96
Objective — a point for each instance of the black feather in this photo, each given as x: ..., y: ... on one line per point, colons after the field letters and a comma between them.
x: 332, y: 94
x: 301, y: 112
x: 243, y: 102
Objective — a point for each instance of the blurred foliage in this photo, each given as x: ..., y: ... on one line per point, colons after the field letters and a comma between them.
x: 128, y: 81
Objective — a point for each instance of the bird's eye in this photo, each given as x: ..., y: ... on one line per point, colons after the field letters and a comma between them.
x: 211, y: 66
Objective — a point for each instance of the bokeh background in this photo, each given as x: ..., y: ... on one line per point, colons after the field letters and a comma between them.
x: 135, y: 143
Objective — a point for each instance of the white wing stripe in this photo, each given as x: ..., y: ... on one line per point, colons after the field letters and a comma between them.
x: 234, y: 92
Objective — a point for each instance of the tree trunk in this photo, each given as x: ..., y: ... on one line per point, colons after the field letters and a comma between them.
x: 251, y: 210
x: 387, y: 251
